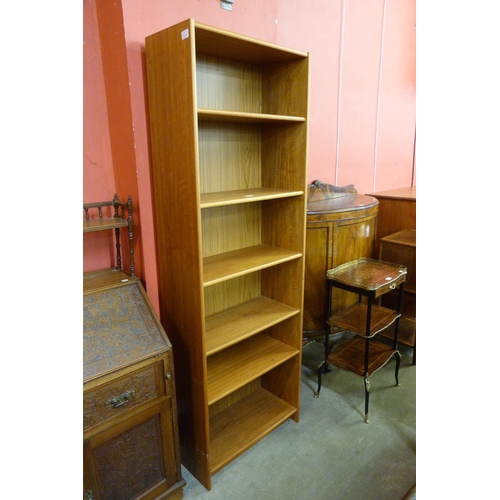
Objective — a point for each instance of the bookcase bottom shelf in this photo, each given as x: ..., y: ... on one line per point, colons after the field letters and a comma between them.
x: 243, y: 424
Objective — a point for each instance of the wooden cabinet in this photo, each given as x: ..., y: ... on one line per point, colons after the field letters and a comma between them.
x: 130, y: 430
x: 339, y: 229
x: 130, y: 437
x: 228, y: 123
x: 397, y: 211
x: 401, y: 248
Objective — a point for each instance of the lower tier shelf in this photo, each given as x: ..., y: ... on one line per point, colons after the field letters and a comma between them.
x: 350, y: 356
x: 243, y: 424
x: 353, y: 318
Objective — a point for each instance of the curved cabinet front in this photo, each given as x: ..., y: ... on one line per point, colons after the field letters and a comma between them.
x: 338, y: 230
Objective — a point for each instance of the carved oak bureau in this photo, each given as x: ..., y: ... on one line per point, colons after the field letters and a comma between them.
x: 130, y: 432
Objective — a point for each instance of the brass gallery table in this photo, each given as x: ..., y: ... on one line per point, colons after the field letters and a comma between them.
x: 363, y: 354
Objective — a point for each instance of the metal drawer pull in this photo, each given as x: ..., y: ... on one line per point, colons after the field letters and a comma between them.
x: 121, y: 400
x: 392, y: 287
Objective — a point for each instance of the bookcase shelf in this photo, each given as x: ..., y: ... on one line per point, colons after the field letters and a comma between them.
x: 245, y: 260
x: 209, y: 200
x: 238, y: 116
x: 244, y: 320
x: 241, y: 363
x: 244, y: 424
x: 228, y: 122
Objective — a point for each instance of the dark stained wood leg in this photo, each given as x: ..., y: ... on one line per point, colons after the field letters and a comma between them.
x: 398, y: 363
x: 316, y: 394
x: 324, y: 367
x: 367, y: 398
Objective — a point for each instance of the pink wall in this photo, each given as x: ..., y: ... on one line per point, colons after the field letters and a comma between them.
x: 362, y: 93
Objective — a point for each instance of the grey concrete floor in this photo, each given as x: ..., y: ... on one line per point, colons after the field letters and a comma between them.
x: 331, y: 453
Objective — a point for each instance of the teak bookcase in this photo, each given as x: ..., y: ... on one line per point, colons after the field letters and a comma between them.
x: 228, y: 124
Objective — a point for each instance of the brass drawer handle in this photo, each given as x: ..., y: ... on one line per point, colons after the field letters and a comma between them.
x: 392, y: 287
x: 121, y: 400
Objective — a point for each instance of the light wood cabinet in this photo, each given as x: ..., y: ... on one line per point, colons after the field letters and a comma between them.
x: 397, y: 211
x: 401, y: 248
x: 228, y: 124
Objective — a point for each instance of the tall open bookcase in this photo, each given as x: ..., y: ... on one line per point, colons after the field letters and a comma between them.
x: 229, y: 128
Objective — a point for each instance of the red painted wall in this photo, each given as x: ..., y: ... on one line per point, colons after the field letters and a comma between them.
x: 362, y: 95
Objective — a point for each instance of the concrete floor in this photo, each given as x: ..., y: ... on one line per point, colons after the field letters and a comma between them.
x: 331, y: 454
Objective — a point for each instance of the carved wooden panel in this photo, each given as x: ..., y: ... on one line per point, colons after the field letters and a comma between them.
x: 95, y: 406
x: 131, y: 462
x: 119, y: 327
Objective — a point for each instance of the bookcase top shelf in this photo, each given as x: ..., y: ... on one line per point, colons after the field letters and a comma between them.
x: 217, y: 42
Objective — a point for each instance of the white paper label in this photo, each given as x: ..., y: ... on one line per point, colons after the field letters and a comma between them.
x: 185, y: 34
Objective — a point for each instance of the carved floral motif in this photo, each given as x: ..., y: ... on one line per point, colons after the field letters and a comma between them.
x: 117, y: 326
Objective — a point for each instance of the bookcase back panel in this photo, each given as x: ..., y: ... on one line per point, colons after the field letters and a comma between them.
x: 225, y: 229
x: 232, y: 292
x: 230, y: 156
x: 228, y: 85
x: 234, y: 397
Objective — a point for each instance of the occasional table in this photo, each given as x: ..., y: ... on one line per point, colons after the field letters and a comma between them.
x: 363, y: 354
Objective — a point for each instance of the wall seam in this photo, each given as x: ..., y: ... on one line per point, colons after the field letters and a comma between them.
x: 339, y: 92
x: 377, y: 119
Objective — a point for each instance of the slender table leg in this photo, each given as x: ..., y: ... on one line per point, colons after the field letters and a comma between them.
x: 398, y: 362
x: 367, y: 398
x: 367, y: 355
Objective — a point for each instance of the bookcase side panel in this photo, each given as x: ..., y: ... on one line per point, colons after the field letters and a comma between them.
x: 284, y: 283
x: 285, y: 88
x: 284, y: 156
x: 284, y: 383
x: 173, y: 128
x: 228, y: 85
